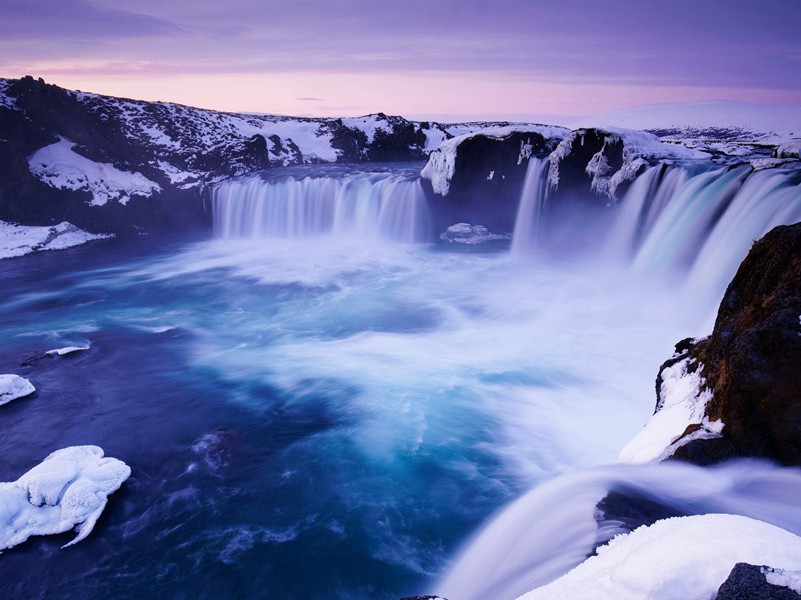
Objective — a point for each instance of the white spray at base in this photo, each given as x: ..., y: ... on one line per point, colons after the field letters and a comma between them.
x: 552, y: 528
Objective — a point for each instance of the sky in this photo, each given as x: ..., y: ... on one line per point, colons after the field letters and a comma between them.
x: 446, y: 59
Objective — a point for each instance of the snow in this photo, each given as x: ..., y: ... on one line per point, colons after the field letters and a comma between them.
x: 783, y: 578
x: 369, y: 124
x: 683, y: 398
x: 6, y: 101
x: 681, y: 557
x: 441, y: 165
x: 67, y: 350
x: 790, y: 149
x: 69, y: 489
x: 60, y: 167
x: 732, y: 120
x: 17, y: 240
x: 13, y: 387
x: 464, y: 233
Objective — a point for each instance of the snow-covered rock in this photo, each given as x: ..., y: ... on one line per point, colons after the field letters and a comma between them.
x: 13, y: 387
x: 69, y: 489
x: 464, y: 233
x: 681, y: 557
x: 620, y: 155
x: 789, y: 149
x: 441, y: 165
x: 680, y: 415
x: 17, y: 240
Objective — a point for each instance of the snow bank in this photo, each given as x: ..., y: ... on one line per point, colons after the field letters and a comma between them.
x: 441, y: 163
x: 17, y: 240
x: 69, y: 489
x: 683, y: 399
x: 682, y: 557
x: 13, y: 387
x: 464, y: 233
x: 59, y: 167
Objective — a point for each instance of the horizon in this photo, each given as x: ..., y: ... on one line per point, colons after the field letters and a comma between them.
x: 567, y: 121
x: 453, y: 59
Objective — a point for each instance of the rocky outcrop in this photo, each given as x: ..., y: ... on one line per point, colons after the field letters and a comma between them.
x: 750, y: 582
x: 478, y: 178
x: 737, y: 393
x: 752, y: 360
x: 113, y: 165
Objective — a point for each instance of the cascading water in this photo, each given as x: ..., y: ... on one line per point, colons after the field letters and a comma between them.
x: 698, y: 224
x: 529, y: 212
x: 381, y: 205
x: 552, y: 528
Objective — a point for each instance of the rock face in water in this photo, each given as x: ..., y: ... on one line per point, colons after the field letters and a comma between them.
x: 737, y: 392
x: 752, y: 360
x: 478, y: 178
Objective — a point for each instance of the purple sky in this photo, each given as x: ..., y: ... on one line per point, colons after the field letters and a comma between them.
x: 412, y: 57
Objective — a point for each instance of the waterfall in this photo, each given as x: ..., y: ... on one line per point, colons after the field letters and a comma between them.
x: 529, y: 211
x: 552, y: 528
x: 360, y: 205
x: 685, y: 220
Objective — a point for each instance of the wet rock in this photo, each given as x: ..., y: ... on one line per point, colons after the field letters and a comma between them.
x: 749, y: 582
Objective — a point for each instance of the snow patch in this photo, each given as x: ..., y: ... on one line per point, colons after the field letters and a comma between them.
x: 18, y: 240
x: 13, y: 387
x: 6, y: 101
x: 681, y: 557
x: 783, y: 578
x: 683, y: 398
x: 69, y: 489
x: 67, y: 350
x: 60, y: 167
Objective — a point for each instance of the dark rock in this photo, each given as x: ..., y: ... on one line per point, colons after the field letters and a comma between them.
x: 748, y: 582
x: 752, y: 360
x: 488, y: 179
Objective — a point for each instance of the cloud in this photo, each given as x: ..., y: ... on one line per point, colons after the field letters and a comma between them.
x: 77, y: 19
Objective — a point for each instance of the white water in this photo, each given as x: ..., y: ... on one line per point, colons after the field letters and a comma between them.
x: 552, y: 528
x: 359, y: 205
x: 545, y: 365
x: 692, y: 227
x: 529, y: 212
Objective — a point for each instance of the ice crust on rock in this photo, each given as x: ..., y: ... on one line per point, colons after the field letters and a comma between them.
x: 18, y: 240
x: 68, y: 489
x: 465, y: 233
x: 441, y: 165
x: 681, y: 557
x: 639, y: 148
x: 13, y: 387
x: 683, y: 398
